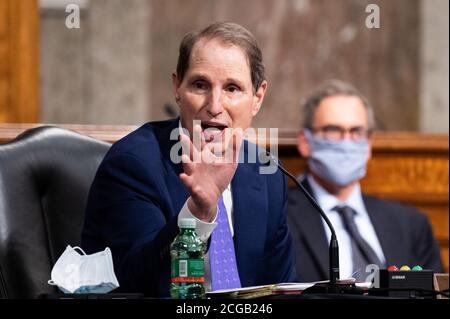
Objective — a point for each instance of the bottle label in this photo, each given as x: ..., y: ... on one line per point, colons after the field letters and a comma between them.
x: 188, y: 270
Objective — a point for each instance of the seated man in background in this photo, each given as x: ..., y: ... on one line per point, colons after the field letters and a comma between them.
x: 140, y: 190
x: 336, y: 142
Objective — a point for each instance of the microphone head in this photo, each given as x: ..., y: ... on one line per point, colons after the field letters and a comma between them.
x: 266, y: 158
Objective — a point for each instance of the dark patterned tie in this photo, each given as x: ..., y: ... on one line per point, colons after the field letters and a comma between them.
x: 362, y: 253
x: 224, y: 273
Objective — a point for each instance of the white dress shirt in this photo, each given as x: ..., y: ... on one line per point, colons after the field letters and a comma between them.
x: 327, y: 202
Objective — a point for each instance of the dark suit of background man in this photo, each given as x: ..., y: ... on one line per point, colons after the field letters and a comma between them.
x: 139, y: 193
x: 336, y: 141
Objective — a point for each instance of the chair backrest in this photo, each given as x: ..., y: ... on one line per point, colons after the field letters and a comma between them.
x: 45, y: 176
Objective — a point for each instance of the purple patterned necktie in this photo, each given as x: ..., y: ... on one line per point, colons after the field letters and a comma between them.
x: 224, y: 273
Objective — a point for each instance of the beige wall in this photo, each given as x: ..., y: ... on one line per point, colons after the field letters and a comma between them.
x: 116, y: 68
x: 99, y: 73
x: 434, y: 100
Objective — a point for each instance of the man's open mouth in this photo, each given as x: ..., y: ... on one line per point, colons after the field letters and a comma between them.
x: 213, y: 130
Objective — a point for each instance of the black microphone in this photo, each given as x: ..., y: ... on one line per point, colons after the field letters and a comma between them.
x: 333, y: 286
x: 268, y: 158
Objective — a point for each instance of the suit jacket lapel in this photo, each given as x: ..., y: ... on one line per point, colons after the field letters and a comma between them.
x: 313, y: 230
x: 384, y: 228
x: 178, y: 191
x: 166, y: 145
x: 250, y: 218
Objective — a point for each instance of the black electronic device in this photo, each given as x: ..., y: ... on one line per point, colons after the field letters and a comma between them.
x: 408, y: 284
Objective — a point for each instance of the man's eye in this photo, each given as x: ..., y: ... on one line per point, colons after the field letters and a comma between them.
x: 357, y: 130
x: 332, y: 129
x: 199, y: 85
x: 232, y: 88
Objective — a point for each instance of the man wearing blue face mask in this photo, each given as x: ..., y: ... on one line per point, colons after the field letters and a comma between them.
x: 336, y: 141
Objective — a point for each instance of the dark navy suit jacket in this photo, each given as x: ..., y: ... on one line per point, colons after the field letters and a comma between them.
x: 404, y: 233
x: 135, y: 199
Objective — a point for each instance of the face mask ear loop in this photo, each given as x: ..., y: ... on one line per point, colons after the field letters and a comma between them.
x: 308, y: 136
x: 79, y: 248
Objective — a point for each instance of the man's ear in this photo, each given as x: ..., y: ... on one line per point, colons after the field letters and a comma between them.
x: 303, y: 146
x: 259, y: 97
x: 175, y: 86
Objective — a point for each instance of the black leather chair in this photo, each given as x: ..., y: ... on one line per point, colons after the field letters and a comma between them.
x: 45, y: 176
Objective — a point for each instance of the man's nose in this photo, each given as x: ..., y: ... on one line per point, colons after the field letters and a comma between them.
x: 215, y: 106
x: 346, y: 135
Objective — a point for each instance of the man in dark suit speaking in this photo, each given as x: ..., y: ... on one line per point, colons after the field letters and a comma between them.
x: 335, y: 140
x: 141, y: 188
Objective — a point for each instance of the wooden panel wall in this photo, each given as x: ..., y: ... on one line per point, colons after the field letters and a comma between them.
x: 19, y: 61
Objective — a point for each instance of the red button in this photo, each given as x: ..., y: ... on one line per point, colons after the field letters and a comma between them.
x: 392, y: 268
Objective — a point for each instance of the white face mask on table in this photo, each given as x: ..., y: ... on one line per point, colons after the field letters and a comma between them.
x: 80, y: 273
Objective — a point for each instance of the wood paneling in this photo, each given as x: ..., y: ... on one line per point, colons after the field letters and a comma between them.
x: 411, y: 168
x: 18, y: 61
x: 4, y: 59
x: 107, y: 133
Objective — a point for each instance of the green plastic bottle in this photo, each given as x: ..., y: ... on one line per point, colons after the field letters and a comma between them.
x: 188, y: 268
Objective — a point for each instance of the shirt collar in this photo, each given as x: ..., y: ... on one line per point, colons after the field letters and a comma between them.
x: 180, y: 127
x: 328, y: 201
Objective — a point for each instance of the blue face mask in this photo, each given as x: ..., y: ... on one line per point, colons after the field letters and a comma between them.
x: 337, y: 162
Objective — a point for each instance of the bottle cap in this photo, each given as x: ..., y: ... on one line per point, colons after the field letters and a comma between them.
x: 186, y: 223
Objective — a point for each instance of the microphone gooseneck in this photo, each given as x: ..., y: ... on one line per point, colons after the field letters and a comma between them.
x: 267, y: 158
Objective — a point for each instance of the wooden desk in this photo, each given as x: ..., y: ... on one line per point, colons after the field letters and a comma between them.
x: 411, y: 168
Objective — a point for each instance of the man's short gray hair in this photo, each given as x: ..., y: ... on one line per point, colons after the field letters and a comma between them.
x: 328, y: 89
